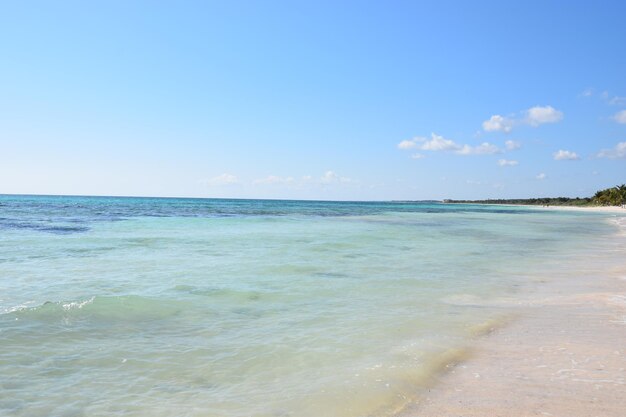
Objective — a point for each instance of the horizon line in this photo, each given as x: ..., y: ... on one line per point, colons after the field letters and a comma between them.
x: 217, y: 198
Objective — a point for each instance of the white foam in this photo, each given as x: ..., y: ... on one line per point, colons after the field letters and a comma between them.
x: 19, y: 307
x: 620, y: 222
x: 77, y: 304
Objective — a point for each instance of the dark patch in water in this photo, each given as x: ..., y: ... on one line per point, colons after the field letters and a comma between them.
x: 90, y: 251
x: 219, y: 292
x: 55, y: 229
x: 62, y: 230
x: 247, y: 312
x: 331, y: 275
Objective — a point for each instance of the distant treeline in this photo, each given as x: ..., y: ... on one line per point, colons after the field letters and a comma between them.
x: 614, y: 196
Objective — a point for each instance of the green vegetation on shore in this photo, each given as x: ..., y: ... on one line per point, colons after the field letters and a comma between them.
x: 614, y: 196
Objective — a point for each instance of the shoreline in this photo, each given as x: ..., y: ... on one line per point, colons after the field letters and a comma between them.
x: 563, y: 355
x: 590, y: 209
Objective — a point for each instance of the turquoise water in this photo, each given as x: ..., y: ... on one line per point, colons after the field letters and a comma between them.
x: 197, y: 307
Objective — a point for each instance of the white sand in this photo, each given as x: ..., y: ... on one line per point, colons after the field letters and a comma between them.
x: 598, y: 209
x: 564, y: 356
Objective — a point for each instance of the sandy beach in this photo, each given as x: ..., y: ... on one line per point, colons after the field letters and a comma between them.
x: 597, y: 209
x: 563, y: 355
x: 590, y: 209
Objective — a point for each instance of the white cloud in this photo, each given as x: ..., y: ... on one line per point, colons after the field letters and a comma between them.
x: 328, y: 177
x: 620, y: 116
x: 587, y: 93
x: 538, y: 115
x: 618, y: 152
x: 435, y: 143
x: 541, y: 176
x: 534, y: 117
x: 562, y: 155
x: 438, y: 143
x: 511, y: 145
x: 498, y: 123
x: 223, y: 179
x: 614, y: 100
x: 407, y: 144
x: 273, y: 179
x: 507, y: 163
x: 617, y: 100
x: 484, y: 148
x: 331, y: 177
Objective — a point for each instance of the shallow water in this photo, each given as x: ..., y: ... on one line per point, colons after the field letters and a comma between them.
x: 191, y: 307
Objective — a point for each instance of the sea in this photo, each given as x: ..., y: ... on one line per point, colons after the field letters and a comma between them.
x: 119, y: 306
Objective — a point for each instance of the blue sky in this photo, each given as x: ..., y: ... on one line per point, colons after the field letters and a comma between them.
x: 312, y: 100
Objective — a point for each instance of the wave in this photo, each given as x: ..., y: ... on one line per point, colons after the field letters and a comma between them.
x: 620, y: 222
x: 128, y: 308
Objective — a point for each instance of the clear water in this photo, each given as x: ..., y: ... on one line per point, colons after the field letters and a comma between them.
x: 194, y: 307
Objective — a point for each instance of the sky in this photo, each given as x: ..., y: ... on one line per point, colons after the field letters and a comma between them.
x: 331, y: 100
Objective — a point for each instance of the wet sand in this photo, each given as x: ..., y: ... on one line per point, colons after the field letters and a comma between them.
x: 563, y: 355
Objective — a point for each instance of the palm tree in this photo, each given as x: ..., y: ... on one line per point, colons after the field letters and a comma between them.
x: 614, y: 196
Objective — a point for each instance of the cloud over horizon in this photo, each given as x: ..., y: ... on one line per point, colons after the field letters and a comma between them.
x: 220, y: 180
x: 329, y: 177
x: 273, y: 179
x: 438, y: 143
